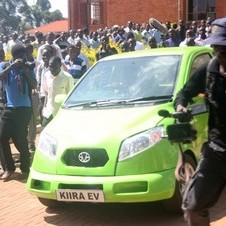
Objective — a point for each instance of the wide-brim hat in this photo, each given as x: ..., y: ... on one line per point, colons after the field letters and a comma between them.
x: 218, y: 32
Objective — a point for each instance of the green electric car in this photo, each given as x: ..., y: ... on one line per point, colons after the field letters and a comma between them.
x: 107, y: 143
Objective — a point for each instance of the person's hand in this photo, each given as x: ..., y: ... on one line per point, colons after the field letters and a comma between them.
x: 181, y: 108
x: 17, y: 63
x: 20, y: 63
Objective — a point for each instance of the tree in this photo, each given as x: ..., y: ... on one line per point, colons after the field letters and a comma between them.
x: 10, y: 14
x: 17, y: 15
x: 42, y: 15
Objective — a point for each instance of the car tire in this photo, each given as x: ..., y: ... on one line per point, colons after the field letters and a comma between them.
x: 174, y: 204
x: 49, y: 202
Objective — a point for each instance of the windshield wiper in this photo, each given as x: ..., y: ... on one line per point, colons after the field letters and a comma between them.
x: 94, y: 103
x: 162, y: 98
x: 103, y: 103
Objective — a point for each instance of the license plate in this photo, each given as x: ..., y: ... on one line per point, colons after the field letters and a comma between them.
x: 76, y: 195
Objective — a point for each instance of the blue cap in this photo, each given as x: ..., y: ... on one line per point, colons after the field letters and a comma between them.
x: 218, y: 32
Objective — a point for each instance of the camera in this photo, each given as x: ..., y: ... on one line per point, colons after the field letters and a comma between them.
x: 181, y: 131
x: 28, y: 64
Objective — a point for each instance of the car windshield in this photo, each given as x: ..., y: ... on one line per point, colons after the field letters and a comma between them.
x: 127, y: 79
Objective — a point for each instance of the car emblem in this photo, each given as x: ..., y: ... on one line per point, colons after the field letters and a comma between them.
x: 84, y: 157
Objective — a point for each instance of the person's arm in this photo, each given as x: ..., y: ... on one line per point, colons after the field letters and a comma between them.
x: 45, y: 89
x: 57, y: 40
x: 84, y: 68
x: 70, y: 83
x: 63, y: 66
x: 29, y: 75
x: 38, y: 76
x: 58, y: 51
x: 8, y: 67
x: 97, y: 56
x: 192, y: 88
x: 39, y: 54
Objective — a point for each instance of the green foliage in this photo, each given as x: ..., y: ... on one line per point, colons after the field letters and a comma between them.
x: 44, y: 5
x: 17, y: 15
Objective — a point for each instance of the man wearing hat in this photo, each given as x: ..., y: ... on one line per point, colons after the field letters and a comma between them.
x: 206, y: 185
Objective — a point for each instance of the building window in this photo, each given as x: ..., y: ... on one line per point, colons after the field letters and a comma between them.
x: 201, y: 9
x: 95, y: 11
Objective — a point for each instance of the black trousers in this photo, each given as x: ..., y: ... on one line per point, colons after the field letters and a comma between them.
x: 14, y: 124
x: 205, y: 187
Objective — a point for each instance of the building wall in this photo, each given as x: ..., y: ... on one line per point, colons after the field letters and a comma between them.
x: 121, y: 11
x: 220, y: 8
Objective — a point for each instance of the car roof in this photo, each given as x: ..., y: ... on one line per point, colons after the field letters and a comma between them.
x: 161, y: 51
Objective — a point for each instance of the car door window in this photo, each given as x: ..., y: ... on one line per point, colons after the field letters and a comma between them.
x: 204, y: 58
x: 197, y: 63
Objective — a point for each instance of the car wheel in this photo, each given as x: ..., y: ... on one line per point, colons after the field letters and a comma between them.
x: 49, y: 202
x: 174, y: 204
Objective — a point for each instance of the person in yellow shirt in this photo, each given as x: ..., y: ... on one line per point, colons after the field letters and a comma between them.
x: 56, y: 81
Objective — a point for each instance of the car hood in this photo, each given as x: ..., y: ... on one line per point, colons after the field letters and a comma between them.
x: 89, y: 127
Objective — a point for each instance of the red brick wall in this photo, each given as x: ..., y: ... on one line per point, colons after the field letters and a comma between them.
x: 220, y: 8
x: 120, y: 11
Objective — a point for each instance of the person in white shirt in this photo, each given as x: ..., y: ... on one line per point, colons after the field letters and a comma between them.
x: 49, y: 41
x: 47, y: 52
x: 13, y: 41
x: 39, y: 40
x: 71, y: 38
x: 80, y: 36
x: 189, y: 39
x: 199, y: 41
x: 131, y: 38
x: 5, y: 43
x: 56, y: 81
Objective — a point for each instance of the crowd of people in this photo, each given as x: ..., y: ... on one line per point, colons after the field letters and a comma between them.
x: 122, y: 38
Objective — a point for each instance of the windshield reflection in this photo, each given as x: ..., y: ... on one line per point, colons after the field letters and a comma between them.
x: 130, y: 78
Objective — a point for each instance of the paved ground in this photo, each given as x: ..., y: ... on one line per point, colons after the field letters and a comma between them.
x: 18, y: 207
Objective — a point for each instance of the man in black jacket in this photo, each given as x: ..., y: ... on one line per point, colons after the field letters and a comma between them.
x: 207, y: 183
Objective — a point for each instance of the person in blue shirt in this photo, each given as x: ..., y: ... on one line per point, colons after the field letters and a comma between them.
x: 76, y: 65
x: 18, y: 79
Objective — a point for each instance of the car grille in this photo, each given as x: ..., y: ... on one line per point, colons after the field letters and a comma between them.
x: 85, y: 157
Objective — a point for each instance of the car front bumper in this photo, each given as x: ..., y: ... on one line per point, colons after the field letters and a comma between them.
x: 116, y: 189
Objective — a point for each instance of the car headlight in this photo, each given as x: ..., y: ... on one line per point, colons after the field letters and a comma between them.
x: 47, y: 145
x: 140, y: 142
